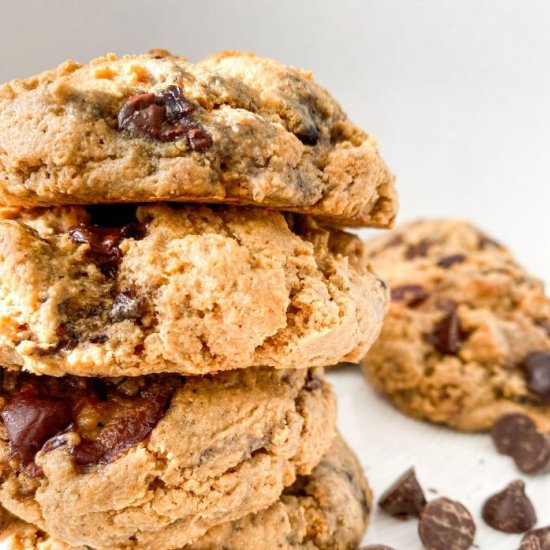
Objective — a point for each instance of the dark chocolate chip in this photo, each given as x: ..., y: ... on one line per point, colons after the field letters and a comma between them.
x: 126, y: 307
x: 446, y: 525
x: 508, y: 428
x: 449, y: 261
x: 308, y: 135
x: 412, y: 295
x: 536, y: 369
x: 531, y: 452
x: 446, y: 334
x: 404, y: 498
x: 164, y: 116
x: 544, y: 323
x: 537, y: 539
x: 419, y: 249
x: 31, y: 420
x: 510, y: 511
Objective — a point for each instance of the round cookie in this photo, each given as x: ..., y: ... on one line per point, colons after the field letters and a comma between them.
x: 157, y: 461
x: 236, y: 128
x: 120, y: 290
x: 327, y: 510
x: 467, y: 336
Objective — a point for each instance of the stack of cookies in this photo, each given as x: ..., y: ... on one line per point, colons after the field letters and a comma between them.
x: 171, y: 285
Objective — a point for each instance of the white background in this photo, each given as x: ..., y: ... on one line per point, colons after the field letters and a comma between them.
x: 458, y: 94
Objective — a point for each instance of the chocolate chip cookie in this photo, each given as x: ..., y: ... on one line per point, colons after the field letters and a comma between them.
x: 327, y: 510
x: 467, y: 336
x: 235, y: 128
x: 126, y: 290
x: 157, y: 461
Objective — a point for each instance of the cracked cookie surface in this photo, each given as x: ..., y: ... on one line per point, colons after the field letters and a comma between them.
x: 116, y: 290
x: 226, y: 446
x: 467, y: 336
x: 327, y: 510
x: 234, y: 128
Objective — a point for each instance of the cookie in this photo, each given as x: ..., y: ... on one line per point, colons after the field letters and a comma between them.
x: 467, y: 336
x: 235, y: 128
x: 120, y: 290
x: 161, y: 459
x: 329, y: 509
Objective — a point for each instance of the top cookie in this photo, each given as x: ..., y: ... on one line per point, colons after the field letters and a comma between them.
x: 234, y: 128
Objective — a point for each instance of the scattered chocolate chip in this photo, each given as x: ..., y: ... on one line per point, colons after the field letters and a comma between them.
x: 420, y: 249
x: 164, y: 116
x: 412, y: 295
x: 446, y: 334
x: 308, y: 135
x: 104, y: 243
x: 544, y: 323
x: 508, y: 428
x: 449, y: 261
x: 404, y: 498
x: 537, y: 539
x: 122, y: 432
x: 446, y: 525
x: 31, y: 419
x: 536, y: 369
x: 510, y: 511
x: 126, y: 307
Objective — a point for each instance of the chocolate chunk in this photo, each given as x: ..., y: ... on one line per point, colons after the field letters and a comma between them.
x: 31, y: 419
x: 449, y: 261
x: 164, y: 116
x: 544, y: 323
x: 420, y: 249
x: 446, y: 525
x: 412, y: 295
x: 537, y: 539
x: 446, y: 334
x: 126, y: 307
x: 536, y: 369
x: 510, y: 511
x: 508, y: 429
x: 122, y: 431
x: 404, y: 498
x: 104, y: 243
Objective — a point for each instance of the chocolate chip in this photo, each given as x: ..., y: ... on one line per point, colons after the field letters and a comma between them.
x: 31, y: 419
x: 404, y: 498
x: 544, y: 323
x: 312, y: 382
x: 508, y: 428
x: 122, y: 431
x: 308, y: 135
x: 420, y: 249
x: 537, y: 539
x: 510, y: 511
x: 536, y: 369
x: 446, y: 525
x: 164, y: 116
x: 412, y: 295
x: 446, y: 334
x: 126, y: 307
x: 449, y: 261
x: 104, y: 243
x: 394, y: 241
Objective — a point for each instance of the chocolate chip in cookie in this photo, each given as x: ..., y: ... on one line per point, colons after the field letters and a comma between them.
x: 419, y: 249
x: 446, y: 525
x: 510, y: 510
x: 411, y: 295
x: 451, y: 260
x: 446, y: 334
x: 537, y: 539
x: 404, y: 498
x: 536, y: 369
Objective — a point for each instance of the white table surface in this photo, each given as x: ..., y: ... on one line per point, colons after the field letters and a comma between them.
x: 458, y: 94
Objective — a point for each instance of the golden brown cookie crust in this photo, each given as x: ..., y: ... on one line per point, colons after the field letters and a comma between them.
x: 193, y: 290
x: 227, y: 446
x: 460, y: 281
x: 327, y: 510
x: 269, y: 136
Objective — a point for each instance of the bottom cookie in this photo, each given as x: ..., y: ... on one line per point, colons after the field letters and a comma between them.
x: 329, y: 509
